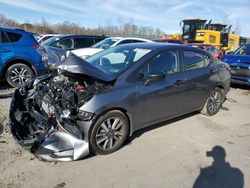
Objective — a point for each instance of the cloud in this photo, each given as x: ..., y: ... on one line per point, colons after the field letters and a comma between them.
x: 162, y: 14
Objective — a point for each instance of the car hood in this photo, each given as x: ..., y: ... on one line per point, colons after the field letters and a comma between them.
x: 76, y: 65
x: 231, y: 58
x: 84, y: 52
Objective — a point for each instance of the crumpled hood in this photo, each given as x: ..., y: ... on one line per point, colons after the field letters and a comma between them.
x: 66, y: 61
x: 76, y: 65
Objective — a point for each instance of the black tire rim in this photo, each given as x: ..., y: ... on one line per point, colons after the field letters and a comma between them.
x: 20, y: 75
x: 214, y: 102
x: 110, y: 133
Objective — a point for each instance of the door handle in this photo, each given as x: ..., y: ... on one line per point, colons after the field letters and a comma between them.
x: 179, y: 82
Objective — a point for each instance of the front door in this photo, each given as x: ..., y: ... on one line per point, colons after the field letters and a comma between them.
x: 161, y: 99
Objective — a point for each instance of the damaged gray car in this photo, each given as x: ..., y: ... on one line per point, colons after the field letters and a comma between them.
x: 93, y: 105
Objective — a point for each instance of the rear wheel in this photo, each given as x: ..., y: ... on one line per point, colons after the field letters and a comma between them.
x: 213, y: 103
x: 109, y: 132
x: 18, y: 74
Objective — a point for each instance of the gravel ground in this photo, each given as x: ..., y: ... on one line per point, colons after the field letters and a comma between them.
x: 171, y: 154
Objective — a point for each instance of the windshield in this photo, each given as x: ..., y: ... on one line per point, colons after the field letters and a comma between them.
x: 117, y: 59
x: 212, y: 49
x: 105, y: 44
x: 50, y: 41
x: 192, y: 26
x: 243, y: 50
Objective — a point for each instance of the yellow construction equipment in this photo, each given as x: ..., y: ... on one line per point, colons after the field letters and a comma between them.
x: 214, y: 34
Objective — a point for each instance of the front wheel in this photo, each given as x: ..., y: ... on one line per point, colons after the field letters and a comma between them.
x: 213, y: 103
x: 109, y: 132
x: 18, y: 74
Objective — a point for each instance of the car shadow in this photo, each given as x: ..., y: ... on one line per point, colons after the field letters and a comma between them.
x: 6, y: 90
x: 5, y: 85
x: 238, y: 86
x: 220, y: 174
x: 140, y: 132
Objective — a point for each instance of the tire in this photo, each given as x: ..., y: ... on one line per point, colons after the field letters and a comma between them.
x: 18, y: 74
x: 104, y: 138
x: 213, y: 103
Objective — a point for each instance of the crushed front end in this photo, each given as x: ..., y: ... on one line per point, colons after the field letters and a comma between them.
x: 45, y: 117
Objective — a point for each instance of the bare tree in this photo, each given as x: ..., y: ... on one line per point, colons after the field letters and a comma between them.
x: 123, y: 29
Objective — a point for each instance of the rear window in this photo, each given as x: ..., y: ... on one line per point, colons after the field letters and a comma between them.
x: 13, y: 37
x: 6, y: 37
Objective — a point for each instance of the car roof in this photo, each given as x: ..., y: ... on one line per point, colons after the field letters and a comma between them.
x: 77, y: 35
x: 15, y: 30
x: 160, y: 45
x: 129, y: 38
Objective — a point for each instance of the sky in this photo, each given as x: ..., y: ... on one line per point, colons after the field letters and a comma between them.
x: 163, y: 14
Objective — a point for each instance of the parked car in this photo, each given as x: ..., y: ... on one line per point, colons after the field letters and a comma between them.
x: 105, y: 44
x: 45, y: 37
x: 239, y: 61
x: 96, y: 104
x: 72, y: 42
x: 215, y: 51
x: 19, y: 60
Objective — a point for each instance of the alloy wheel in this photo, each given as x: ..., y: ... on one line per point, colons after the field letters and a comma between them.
x: 214, y: 102
x: 109, y: 133
x: 20, y: 75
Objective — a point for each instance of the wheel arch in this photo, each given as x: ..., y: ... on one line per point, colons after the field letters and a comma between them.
x: 123, y: 110
x: 18, y: 60
x: 220, y: 85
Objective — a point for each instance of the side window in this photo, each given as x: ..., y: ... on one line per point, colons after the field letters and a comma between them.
x: 196, y: 60
x: 166, y: 62
x: 3, y: 37
x: 83, y: 42
x: 124, y: 42
x: 14, y: 37
x: 134, y: 41
x: 67, y: 44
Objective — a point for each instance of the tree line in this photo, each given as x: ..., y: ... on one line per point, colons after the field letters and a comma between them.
x: 124, y: 29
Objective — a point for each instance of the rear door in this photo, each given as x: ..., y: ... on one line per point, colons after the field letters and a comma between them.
x: 199, y: 76
x: 7, y: 48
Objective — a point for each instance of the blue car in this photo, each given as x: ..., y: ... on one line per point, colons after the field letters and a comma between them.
x: 239, y: 61
x: 19, y: 59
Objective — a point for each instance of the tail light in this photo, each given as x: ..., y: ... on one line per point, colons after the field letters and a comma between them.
x: 35, y: 46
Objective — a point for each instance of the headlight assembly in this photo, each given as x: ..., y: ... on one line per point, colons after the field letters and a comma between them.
x: 83, y: 115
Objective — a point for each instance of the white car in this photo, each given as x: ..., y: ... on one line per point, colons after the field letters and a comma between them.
x: 105, y: 44
x: 45, y: 37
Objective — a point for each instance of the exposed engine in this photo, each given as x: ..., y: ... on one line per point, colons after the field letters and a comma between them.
x: 51, y: 104
x: 45, y: 114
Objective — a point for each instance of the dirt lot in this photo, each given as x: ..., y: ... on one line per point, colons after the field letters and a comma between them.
x: 168, y: 155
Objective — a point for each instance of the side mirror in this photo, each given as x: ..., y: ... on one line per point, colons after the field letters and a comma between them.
x: 230, y: 52
x: 154, y: 77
